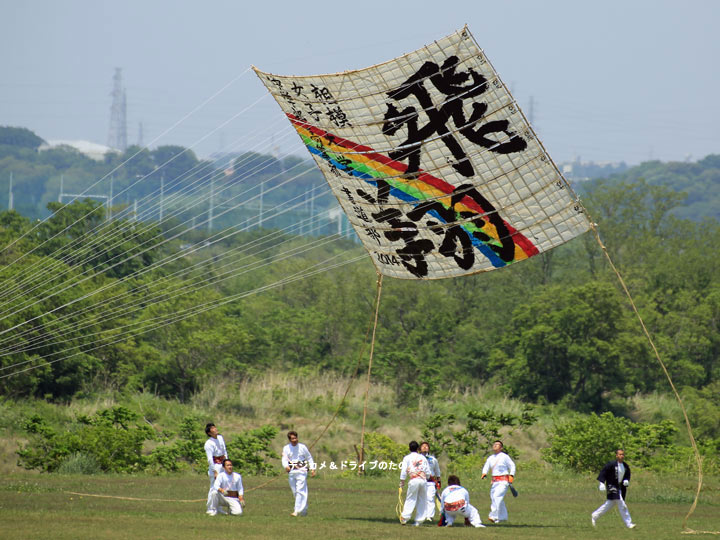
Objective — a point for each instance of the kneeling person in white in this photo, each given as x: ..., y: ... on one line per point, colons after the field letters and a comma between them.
x: 455, y: 501
x: 216, y: 453
x: 228, y: 491
x: 415, y: 468
x: 296, y: 460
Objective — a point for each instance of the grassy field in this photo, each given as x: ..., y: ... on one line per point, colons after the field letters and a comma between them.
x: 550, y: 505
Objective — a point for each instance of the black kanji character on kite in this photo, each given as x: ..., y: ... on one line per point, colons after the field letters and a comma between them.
x: 453, y: 84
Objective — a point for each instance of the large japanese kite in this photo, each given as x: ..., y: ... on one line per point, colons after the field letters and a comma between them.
x: 433, y: 162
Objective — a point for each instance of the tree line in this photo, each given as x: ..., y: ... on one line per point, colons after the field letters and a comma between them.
x: 554, y: 329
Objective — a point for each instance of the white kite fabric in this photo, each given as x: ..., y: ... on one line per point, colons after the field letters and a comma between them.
x: 433, y: 162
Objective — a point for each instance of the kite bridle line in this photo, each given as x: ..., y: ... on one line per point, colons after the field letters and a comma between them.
x: 312, y: 445
x: 90, y: 276
x: 168, y: 130
x: 112, y: 229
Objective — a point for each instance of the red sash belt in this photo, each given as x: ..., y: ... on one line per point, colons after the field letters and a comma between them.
x: 219, y: 459
x: 231, y: 493
x: 503, y: 478
x: 454, y: 506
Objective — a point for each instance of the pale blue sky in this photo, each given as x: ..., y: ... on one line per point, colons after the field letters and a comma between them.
x: 612, y: 80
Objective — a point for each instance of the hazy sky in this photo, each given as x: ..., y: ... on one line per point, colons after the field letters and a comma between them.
x: 610, y: 80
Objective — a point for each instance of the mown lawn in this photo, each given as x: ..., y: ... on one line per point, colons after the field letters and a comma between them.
x: 551, y: 505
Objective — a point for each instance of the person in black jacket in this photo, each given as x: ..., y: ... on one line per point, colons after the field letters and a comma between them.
x: 614, y: 479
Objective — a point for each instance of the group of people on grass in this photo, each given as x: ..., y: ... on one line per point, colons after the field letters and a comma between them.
x: 226, y: 493
x: 422, y: 472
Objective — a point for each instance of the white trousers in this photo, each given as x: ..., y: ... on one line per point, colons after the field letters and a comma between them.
x: 430, y: 501
x: 415, y: 499
x: 216, y: 468
x: 622, y: 508
x: 232, y: 503
x: 467, y: 511
x: 498, y: 511
x: 298, y: 486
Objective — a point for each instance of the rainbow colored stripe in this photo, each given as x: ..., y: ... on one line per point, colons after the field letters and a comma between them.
x: 368, y: 165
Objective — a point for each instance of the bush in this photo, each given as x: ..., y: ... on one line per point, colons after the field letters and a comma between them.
x: 482, y: 427
x: 251, y: 451
x: 79, y: 463
x: 586, y: 443
x: 379, y: 447
x: 108, y: 437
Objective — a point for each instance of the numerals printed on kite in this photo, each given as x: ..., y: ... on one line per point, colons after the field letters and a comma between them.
x: 384, y: 258
x: 430, y: 161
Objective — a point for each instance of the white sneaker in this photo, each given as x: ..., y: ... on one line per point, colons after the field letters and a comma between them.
x: 478, y: 526
x: 631, y: 526
x: 294, y: 514
x: 211, y: 513
x: 403, y: 521
x: 592, y: 520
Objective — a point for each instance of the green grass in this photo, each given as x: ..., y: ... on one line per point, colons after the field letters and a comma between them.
x: 550, y: 505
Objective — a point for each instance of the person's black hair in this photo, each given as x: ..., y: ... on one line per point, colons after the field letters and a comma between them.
x: 207, y: 428
x: 291, y: 433
x: 414, y: 446
x: 453, y: 480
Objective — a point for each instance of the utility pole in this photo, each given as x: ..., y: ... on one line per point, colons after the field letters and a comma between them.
x: 312, y: 207
x: 117, y: 135
x: 10, y: 195
x: 212, y: 202
x: 62, y: 189
x: 110, y: 199
x: 262, y: 192
x: 162, y: 194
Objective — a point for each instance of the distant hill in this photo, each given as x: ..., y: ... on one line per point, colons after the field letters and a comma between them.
x: 700, y: 180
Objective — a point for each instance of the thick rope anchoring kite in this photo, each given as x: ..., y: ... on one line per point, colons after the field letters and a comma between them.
x: 399, y: 505
x: 369, y: 371
x: 696, y: 451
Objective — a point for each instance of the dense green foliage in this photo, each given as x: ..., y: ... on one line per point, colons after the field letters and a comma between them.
x: 139, y: 174
x: 575, y: 443
x: 699, y: 182
x: 554, y: 329
x: 113, y: 440
x: 478, y: 432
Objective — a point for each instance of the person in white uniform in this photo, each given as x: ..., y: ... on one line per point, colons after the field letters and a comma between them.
x: 455, y: 501
x: 216, y: 453
x: 433, y: 482
x: 503, y: 474
x: 296, y: 460
x: 614, y: 479
x: 416, y: 470
x: 228, y: 492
